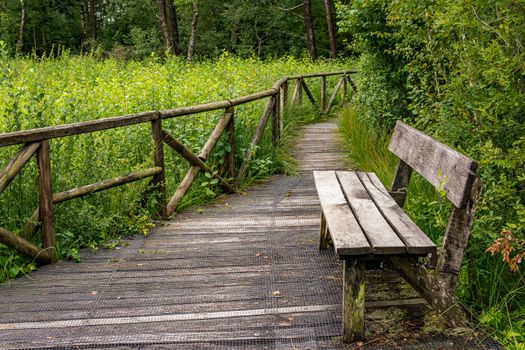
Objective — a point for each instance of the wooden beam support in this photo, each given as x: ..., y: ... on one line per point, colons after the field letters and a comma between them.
x: 193, y: 159
x: 257, y: 136
x: 43, y: 256
x: 216, y: 133
x: 432, y: 289
x: 297, y: 96
x: 345, y: 88
x: 159, y: 180
x: 456, y: 240
x: 353, y: 300
x: 34, y: 222
x: 180, y: 192
x: 46, y: 199
x: 399, y: 187
x: 334, y: 95
x: 8, y: 173
x: 308, y: 93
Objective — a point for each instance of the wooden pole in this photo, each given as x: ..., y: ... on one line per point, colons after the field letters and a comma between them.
x: 276, y: 122
x: 283, y: 100
x: 353, y: 300
x: 216, y: 133
x: 308, y: 93
x: 334, y: 94
x: 297, y: 96
x: 323, y: 93
x: 256, y: 137
x: 33, y: 223
x: 184, y: 186
x: 230, y: 157
x: 345, y: 88
x: 46, y: 199
x: 43, y: 256
x: 399, y: 187
x: 8, y: 173
x: 159, y: 180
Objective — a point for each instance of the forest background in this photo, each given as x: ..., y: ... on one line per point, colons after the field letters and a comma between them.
x: 454, y: 69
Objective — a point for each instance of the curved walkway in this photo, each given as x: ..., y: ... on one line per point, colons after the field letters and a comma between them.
x: 243, y: 273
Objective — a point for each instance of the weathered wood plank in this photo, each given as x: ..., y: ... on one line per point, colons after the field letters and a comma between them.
x: 414, y: 239
x: 381, y: 236
x: 8, y: 173
x: 347, y: 236
x: 353, y: 300
x: 297, y: 96
x: 46, y: 199
x: 442, y: 166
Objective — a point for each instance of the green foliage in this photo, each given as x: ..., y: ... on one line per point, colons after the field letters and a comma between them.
x: 455, y: 70
x: 35, y: 93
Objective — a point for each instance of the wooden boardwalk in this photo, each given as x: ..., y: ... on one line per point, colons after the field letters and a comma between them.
x: 244, y: 273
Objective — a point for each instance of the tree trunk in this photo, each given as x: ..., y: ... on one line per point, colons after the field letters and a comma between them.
x: 93, y: 15
x: 328, y: 4
x: 308, y: 20
x: 164, y: 25
x: 193, y: 35
x: 174, y: 28
x: 83, y: 21
x: 20, y: 43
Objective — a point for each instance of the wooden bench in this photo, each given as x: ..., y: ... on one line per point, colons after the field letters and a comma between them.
x: 365, y: 221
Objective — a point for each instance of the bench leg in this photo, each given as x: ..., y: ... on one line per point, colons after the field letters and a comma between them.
x: 323, y: 242
x: 353, y: 301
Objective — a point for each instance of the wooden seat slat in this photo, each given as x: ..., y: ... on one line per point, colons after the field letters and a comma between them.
x: 414, y: 239
x: 347, y: 236
x: 381, y: 236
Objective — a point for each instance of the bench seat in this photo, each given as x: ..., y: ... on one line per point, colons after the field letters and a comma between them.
x: 362, y: 218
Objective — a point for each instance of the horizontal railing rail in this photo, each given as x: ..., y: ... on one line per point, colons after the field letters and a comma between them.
x: 36, y: 142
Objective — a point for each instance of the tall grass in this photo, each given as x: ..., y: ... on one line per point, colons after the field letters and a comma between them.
x: 70, y: 89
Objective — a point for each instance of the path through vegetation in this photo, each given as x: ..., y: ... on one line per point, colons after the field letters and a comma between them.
x: 242, y: 273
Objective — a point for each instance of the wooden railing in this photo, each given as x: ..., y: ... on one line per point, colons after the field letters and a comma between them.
x: 36, y: 141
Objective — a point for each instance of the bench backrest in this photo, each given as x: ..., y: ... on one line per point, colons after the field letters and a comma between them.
x: 445, y: 168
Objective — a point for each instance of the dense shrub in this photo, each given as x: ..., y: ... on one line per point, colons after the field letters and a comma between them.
x: 456, y: 69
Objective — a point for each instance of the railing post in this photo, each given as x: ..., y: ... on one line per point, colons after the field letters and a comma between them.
x: 297, y: 96
x: 46, y: 200
x: 230, y: 156
x: 159, y: 180
x: 276, y: 120
x: 323, y: 93
x: 283, y: 101
x: 345, y: 87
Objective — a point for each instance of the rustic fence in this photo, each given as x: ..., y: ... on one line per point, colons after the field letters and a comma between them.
x: 36, y: 141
